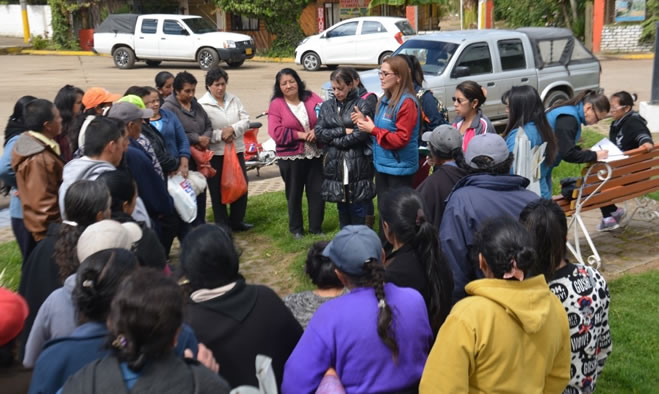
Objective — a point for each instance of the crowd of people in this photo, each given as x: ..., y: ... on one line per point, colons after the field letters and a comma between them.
x: 465, y: 288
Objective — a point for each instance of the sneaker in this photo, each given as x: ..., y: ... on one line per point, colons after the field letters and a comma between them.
x: 608, y: 224
x: 618, y: 215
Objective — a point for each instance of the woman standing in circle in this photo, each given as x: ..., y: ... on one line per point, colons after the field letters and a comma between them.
x: 165, y: 84
x: 292, y: 117
x: 69, y: 103
x: 566, y: 118
x: 416, y: 260
x: 195, y: 122
x: 376, y: 337
x: 469, y: 96
x: 230, y: 120
x: 474, y: 350
x: 527, y: 120
x: 395, y: 128
x: 347, y: 170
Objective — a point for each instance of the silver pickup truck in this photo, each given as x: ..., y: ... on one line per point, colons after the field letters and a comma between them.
x: 550, y: 59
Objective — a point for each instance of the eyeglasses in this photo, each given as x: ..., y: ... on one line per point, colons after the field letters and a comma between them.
x: 597, y: 118
x: 459, y: 100
x: 384, y: 74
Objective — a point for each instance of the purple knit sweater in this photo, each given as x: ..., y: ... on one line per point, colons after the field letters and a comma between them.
x: 343, y: 334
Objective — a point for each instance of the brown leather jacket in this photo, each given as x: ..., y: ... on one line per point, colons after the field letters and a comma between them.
x: 38, y: 176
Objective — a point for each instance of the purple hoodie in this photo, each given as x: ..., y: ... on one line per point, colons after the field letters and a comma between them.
x: 343, y: 334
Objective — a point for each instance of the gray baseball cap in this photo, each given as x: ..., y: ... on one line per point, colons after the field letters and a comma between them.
x: 444, y: 139
x: 490, y: 145
x: 128, y: 112
x: 352, y: 247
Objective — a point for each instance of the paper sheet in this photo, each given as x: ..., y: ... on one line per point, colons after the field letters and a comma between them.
x: 614, y: 152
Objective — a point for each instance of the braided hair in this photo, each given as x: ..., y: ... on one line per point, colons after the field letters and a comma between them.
x: 374, y: 278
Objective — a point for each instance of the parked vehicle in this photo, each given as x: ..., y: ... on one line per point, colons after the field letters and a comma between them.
x: 365, y: 40
x: 550, y: 59
x: 158, y: 37
x: 258, y: 155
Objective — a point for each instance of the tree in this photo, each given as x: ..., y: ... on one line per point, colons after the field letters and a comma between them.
x: 281, y: 18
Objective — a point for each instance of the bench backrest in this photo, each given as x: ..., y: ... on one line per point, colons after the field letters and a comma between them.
x: 632, y: 177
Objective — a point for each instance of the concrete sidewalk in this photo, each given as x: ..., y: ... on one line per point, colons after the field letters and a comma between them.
x: 12, y: 45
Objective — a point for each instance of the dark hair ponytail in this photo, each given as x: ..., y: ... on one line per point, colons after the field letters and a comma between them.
x: 374, y: 278
x: 403, y: 210
x: 144, y: 317
x: 97, y: 281
x: 625, y: 99
x: 83, y: 201
x: 599, y: 101
x: 503, y: 241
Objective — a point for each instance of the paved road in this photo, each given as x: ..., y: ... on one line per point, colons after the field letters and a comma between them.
x: 42, y: 76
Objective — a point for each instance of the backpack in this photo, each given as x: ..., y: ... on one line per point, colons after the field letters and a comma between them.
x: 441, y: 108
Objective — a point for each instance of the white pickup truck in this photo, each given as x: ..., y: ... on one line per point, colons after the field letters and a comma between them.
x: 157, y: 37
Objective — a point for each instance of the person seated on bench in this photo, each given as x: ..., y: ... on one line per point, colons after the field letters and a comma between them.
x: 628, y: 131
x: 566, y: 118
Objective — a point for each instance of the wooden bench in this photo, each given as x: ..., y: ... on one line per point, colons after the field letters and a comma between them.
x: 604, y: 184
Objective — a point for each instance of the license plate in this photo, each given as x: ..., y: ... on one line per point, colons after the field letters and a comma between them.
x: 248, y: 51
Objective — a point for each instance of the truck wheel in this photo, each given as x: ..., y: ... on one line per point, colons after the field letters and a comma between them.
x: 311, y: 61
x: 384, y: 56
x: 555, y: 97
x: 153, y: 63
x: 123, y: 57
x: 236, y: 64
x: 207, y: 58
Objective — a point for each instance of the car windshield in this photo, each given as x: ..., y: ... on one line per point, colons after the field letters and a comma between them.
x: 200, y: 25
x: 405, y: 28
x: 433, y: 55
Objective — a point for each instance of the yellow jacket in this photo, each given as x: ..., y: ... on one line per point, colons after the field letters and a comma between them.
x: 508, y: 337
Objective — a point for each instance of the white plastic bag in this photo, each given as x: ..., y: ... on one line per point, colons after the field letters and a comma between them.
x: 198, y: 182
x: 185, y: 200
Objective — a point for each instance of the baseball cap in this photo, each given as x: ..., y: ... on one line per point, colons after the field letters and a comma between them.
x: 12, y: 319
x: 443, y: 139
x: 490, y: 145
x: 128, y: 112
x: 107, y: 234
x: 131, y: 98
x: 352, y: 247
x: 97, y: 96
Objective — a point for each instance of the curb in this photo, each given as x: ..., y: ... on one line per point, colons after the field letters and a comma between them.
x: 11, y: 50
x: 627, y: 56
x: 57, y: 53
x: 264, y: 59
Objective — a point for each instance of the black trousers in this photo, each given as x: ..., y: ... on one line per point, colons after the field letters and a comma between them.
x: 24, y: 238
x: 238, y: 207
x: 172, y: 226
x: 303, y: 175
x: 608, y: 210
x: 385, y: 182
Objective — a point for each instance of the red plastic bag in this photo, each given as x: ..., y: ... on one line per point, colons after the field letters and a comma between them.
x: 233, y: 182
x: 203, y: 160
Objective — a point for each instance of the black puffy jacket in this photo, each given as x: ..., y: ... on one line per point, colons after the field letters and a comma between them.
x: 354, y: 148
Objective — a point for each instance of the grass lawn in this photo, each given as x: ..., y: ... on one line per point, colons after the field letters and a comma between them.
x: 633, y: 367
x: 10, y: 265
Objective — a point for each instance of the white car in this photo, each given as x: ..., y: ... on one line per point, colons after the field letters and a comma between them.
x: 157, y: 37
x: 365, y: 40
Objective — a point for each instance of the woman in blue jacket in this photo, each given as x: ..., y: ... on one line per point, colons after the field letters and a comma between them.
x: 395, y: 129
x: 526, y: 118
x: 566, y: 118
x: 14, y: 129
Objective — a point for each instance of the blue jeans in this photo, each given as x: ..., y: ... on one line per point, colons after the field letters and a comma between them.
x: 352, y: 213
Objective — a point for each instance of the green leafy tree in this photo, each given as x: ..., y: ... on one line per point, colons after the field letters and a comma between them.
x: 281, y: 18
x: 649, y: 25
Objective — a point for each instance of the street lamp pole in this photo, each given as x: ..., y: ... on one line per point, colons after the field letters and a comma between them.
x: 26, y: 24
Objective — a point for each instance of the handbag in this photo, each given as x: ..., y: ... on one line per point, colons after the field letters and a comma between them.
x: 202, y: 159
x: 185, y: 199
x: 233, y: 184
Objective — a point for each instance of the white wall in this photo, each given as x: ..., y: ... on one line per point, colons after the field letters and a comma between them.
x: 623, y: 38
x: 39, y: 17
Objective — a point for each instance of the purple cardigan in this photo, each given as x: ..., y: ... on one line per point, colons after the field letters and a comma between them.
x: 283, y: 126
